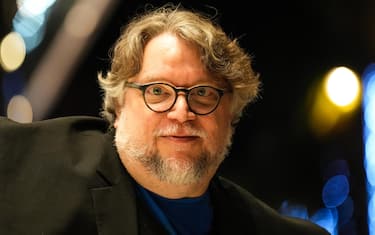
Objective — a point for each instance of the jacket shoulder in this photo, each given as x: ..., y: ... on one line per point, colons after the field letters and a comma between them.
x: 47, y: 169
x: 75, y: 122
x: 258, y: 214
x: 69, y: 142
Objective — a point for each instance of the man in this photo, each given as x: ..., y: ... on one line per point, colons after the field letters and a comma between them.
x: 176, y: 88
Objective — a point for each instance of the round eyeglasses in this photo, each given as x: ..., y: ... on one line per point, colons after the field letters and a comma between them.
x: 160, y: 97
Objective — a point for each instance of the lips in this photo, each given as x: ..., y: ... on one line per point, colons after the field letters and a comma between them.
x: 179, y: 132
x: 181, y: 138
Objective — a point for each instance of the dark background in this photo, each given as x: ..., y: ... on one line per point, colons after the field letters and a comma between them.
x: 294, y: 43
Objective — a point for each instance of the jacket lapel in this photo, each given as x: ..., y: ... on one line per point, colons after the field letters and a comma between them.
x: 113, y: 196
x: 231, y: 213
x: 115, y: 210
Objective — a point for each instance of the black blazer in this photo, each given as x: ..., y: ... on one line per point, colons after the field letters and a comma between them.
x: 63, y: 176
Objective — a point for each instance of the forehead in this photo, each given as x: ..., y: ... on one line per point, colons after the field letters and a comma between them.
x: 168, y: 58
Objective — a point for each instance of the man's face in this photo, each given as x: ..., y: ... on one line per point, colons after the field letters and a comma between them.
x: 176, y: 146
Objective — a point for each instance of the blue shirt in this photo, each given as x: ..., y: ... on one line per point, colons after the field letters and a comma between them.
x: 184, y: 216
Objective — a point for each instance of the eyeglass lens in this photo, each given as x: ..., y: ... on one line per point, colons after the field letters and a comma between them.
x: 201, y: 99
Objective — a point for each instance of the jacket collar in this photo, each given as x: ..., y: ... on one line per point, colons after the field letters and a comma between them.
x: 113, y: 195
x: 232, y: 208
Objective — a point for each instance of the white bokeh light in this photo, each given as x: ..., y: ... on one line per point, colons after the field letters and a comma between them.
x: 20, y: 110
x: 34, y: 7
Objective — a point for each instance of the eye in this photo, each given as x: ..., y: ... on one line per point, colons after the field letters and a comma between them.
x: 201, y: 91
x: 156, y: 90
x: 159, y: 91
x: 204, y: 92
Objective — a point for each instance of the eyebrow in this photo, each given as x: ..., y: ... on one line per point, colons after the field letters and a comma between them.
x: 199, y: 81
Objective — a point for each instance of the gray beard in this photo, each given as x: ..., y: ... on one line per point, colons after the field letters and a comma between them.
x: 171, y: 170
x: 176, y: 171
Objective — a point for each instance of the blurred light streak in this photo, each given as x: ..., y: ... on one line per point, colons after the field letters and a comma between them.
x: 48, y: 79
x: 20, y: 110
x: 86, y: 24
x: 12, y: 52
x: 369, y: 141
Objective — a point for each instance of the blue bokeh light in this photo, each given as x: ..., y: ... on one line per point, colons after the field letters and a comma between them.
x: 345, y: 211
x: 31, y: 28
x: 369, y: 141
x: 30, y: 21
x: 335, y: 191
x: 369, y: 162
x: 294, y: 210
x: 369, y: 112
x: 371, y: 214
x: 326, y: 218
x: 34, y: 7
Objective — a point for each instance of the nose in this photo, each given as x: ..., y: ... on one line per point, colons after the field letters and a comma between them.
x: 180, y: 110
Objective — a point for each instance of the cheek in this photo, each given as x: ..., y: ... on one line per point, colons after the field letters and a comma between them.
x: 224, y: 114
x: 217, y: 130
x: 130, y: 107
x: 137, y: 122
x: 221, y: 126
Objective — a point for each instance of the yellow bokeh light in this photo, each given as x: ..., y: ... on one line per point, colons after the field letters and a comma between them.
x: 12, y: 51
x: 334, y: 101
x: 342, y: 87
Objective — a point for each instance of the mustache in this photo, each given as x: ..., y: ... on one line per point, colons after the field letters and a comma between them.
x: 176, y: 129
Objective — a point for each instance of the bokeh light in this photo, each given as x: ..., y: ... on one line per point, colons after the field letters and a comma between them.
x: 34, y: 7
x: 87, y: 24
x: 326, y: 218
x: 342, y: 87
x: 335, y: 99
x: 294, y: 210
x: 369, y: 161
x: 369, y: 140
x: 335, y: 191
x: 20, y: 110
x: 346, y: 210
x: 12, y: 52
x: 31, y: 28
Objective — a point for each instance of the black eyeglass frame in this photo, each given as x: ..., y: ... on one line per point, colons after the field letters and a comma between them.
x: 186, y: 92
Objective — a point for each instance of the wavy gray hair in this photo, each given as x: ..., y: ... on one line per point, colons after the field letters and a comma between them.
x: 222, y: 56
